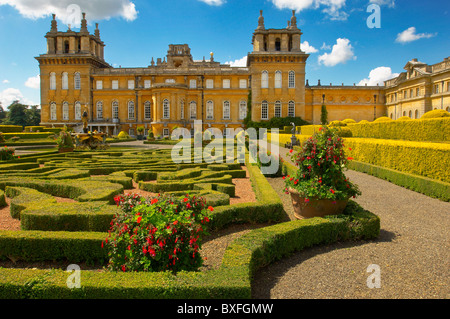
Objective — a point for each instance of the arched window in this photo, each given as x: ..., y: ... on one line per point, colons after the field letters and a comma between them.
x: 242, y: 110
x: 99, y: 110
x: 147, y: 110
x: 291, y: 79
x: 115, y: 110
x: 65, y: 111
x: 277, y: 109
x: 226, y: 110
x: 77, y: 110
x: 278, y: 80
x: 404, y: 113
x: 193, y: 110
x: 416, y: 114
x: 264, y: 80
x: 53, y: 115
x: 77, y: 81
x: 131, y: 110
x: 410, y: 114
x: 209, y: 110
x: 166, y: 109
x: 65, y: 81
x: 447, y: 108
x: 391, y: 115
x: 52, y: 81
x: 264, y: 110
x: 291, y: 109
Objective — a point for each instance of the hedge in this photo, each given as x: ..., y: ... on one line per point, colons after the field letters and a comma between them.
x: 27, y: 136
x: 426, y: 186
x: 430, y: 160
x: 2, y: 199
x: 11, y: 128
x: 437, y: 129
x: 242, y: 258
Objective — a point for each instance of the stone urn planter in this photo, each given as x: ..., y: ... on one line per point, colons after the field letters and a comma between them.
x: 315, y: 207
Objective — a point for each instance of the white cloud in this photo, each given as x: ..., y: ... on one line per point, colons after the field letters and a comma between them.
x: 10, y: 95
x: 305, y: 46
x: 342, y: 52
x: 325, y: 46
x: 238, y: 63
x: 378, y: 76
x: 5, y: 81
x: 410, y: 35
x: 33, y: 82
x: 331, y: 7
x: 213, y: 2
x: 70, y: 13
x: 389, y: 3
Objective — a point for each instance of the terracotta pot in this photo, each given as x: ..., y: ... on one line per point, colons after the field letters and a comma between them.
x: 315, y: 207
x: 65, y: 150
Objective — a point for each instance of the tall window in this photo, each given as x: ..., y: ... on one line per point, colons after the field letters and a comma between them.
x: 226, y: 110
x: 410, y: 114
x: 210, y: 84
x: 99, y: 110
x: 99, y: 85
x: 226, y: 84
x: 115, y: 84
x: 264, y: 80
x: 291, y: 79
x: 65, y: 81
x: 166, y: 109
x: 115, y: 110
x: 291, y: 109
x: 193, y: 84
x: 417, y: 91
x: 264, y: 110
x: 193, y: 110
x: 65, y: 111
x: 130, y: 84
x: 436, y: 88
x: 147, y: 84
x: 147, y: 110
x: 53, y: 115
x: 131, y: 110
x: 77, y: 81
x: 52, y: 81
x: 416, y: 114
x: 182, y: 109
x: 242, y: 110
x: 277, y: 111
x: 278, y: 80
x: 242, y: 83
x: 209, y: 110
x: 77, y: 111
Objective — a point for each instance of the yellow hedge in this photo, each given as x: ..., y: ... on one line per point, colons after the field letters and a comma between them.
x: 431, y: 160
x: 286, y: 138
x: 437, y: 129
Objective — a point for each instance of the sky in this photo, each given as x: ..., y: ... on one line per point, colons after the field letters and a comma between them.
x: 349, y: 41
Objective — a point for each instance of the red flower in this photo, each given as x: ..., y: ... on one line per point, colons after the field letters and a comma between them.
x: 154, y: 201
x: 332, y: 190
x: 350, y: 158
x: 291, y: 151
x: 211, y: 208
x: 139, y: 219
x: 175, y: 222
x: 185, y: 199
x: 124, y: 268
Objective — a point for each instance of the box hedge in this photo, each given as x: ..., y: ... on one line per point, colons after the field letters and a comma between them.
x: 11, y: 128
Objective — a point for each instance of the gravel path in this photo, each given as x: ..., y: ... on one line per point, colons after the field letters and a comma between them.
x: 412, y: 252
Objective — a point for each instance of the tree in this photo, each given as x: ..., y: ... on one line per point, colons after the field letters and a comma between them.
x: 23, y: 115
x: 33, y: 115
x: 2, y: 113
x: 324, y: 115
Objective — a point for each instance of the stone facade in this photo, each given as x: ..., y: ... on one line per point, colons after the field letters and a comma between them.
x: 177, y: 90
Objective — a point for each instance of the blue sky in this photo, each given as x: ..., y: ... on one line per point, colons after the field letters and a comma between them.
x: 343, y: 49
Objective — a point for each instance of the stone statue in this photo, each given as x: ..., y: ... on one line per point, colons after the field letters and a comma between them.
x: 84, y: 118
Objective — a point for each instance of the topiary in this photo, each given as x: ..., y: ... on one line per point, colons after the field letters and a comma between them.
x: 123, y: 134
x: 403, y: 118
x: 349, y: 121
x: 383, y: 119
x: 337, y: 123
x: 435, y: 114
x: 363, y: 122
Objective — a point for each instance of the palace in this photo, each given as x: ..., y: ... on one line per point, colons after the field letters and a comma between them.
x: 177, y: 90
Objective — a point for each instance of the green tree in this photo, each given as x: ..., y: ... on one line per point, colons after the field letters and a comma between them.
x: 33, y: 115
x: 17, y: 114
x: 248, y: 118
x: 2, y: 113
x: 324, y: 115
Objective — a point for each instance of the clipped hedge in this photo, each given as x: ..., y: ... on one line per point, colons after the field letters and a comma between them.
x: 27, y: 136
x: 430, y: 160
x: 413, y: 130
x: 2, y: 199
x: 11, y: 128
x: 435, y: 114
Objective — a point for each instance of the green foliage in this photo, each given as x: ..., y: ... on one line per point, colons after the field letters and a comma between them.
x: 324, y: 115
x: 435, y: 114
x: 11, y: 128
x: 382, y: 119
x: 320, y: 168
x: 64, y: 140
x: 123, y: 134
x: 6, y: 153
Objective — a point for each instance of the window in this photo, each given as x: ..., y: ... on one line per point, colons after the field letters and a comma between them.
x: 448, y: 86
x: 182, y: 109
x: 131, y: 132
x: 53, y: 116
x: 193, y: 84
x: 77, y: 81
x: 242, y: 83
x: 147, y: 110
x: 278, y: 79
x: 65, y: 81
x: 264, y: 110
x: 166, y: 109
x: 52, y: 81
x: 416, y: 114
x: 130, y: 84
x: 115, y: 84
x: 210, y: 84
x: 264, y: 80
x: 170, y: 81
x: 193, y: 110
x: 65, y: 111
x: 166, y: 132
x: 436, y: 88
x: 242, y: 110
x: 226, y: 84
x: 278, y: 44
x: 209, y: 110
x: 410, y: 114
x: 277, y: 110
x: 99, y: 110
x: 99, y: 85
x: 226, y: 110
x: 411, y: 93
x: 115, y: 110
x: 405, y: 94
x: 291, y: 109
x: 417, y: 91
x: 147, y: 84
x: 77, y: 111
x: 131, y: 110
x: 291, y: 79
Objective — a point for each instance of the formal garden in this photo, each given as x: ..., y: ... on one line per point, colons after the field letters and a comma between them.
x: 140, y: 225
